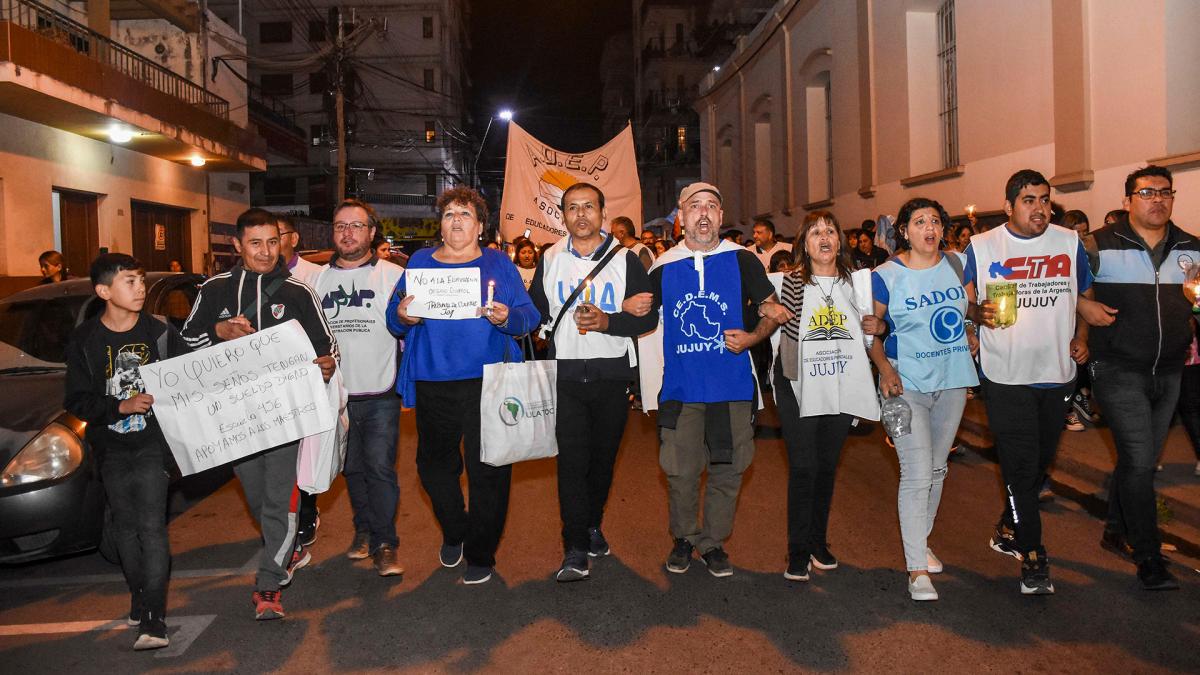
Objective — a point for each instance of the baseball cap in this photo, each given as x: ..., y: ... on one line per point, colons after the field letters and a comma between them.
x: 696, y: 188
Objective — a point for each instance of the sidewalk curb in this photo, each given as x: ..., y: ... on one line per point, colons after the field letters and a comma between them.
x: 978, y: 438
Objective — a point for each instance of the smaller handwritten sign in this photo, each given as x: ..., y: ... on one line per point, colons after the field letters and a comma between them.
x: 240, y: 397
x: 444, y: 293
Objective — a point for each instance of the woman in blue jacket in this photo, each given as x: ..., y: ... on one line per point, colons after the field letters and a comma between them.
x: 441, y: 375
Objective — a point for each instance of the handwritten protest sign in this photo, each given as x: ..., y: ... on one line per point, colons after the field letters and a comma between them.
x: 444, y: 293
x: 240, y: 397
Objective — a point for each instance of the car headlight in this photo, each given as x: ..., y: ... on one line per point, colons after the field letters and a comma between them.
x: 53, y: 453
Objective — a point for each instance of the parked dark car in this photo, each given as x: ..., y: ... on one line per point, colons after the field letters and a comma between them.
x: 51, y: 500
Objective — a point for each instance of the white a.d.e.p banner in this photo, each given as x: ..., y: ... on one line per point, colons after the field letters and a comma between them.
x: 535, y: 176
x: 240, y: 397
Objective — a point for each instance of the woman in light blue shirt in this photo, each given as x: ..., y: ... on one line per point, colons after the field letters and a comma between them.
x: 927, y: 360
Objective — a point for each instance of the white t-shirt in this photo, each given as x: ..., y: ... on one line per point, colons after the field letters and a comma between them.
x: 306, y: 271
x: 764, y: 257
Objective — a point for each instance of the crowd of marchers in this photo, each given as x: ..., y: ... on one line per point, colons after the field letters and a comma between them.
x: 910, y: 332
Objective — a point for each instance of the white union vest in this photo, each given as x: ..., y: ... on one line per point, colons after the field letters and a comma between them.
x: 355, y: 305
x: 1037, y: 348
x: 562, y: 271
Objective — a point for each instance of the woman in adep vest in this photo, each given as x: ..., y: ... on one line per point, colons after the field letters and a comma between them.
x: 822, y: 382
x: 926, y: 360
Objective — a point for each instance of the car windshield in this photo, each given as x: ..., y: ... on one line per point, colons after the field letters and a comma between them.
x: 39, y: 328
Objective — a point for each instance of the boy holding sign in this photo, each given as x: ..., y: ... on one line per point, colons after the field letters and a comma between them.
x: 104, y: 388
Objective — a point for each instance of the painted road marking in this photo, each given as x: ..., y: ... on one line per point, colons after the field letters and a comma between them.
x: 183, y: 630
x: 250, y: 567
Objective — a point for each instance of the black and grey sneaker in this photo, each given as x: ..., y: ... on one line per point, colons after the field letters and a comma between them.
x: 451, y: 555
x: 1082, y: 403
x: 681, y: 557
x: 1155, y: 576
x: 574, y: 567
x: 152, y: 634
x: 1035, y: 575
x: 1004, y: 541
x: 597, y: 544
x: 822, y: 559
x: 798, y: 568
x: 717, y: 562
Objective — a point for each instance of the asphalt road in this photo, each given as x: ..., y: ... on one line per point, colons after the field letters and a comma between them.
x: 63, y: 616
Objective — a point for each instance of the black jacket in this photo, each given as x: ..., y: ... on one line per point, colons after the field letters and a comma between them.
x: 1152, y: 330
x: 86, y: 394
x: 274, y: 298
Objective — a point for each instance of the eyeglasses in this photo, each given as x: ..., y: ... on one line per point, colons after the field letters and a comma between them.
x: 1150, y: 193
x: 356, y: 226
x: 287, y: 232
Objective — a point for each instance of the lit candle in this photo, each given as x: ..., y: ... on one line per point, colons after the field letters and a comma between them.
x: 581, y: 309
x: 491, y: 293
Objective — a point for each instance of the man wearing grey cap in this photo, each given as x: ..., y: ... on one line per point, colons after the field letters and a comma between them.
x: 708, y: 388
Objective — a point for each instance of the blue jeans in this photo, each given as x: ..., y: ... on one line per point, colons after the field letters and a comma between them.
x: 922, y: 455
x: 1138, y: 406
x: 136, y: 485
x: 370, y: 468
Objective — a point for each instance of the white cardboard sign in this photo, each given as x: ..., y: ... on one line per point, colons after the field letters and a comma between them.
x: 240, y: 397
x: 443, y: 293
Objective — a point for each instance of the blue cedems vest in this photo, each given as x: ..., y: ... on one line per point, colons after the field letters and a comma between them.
x: 926, y: 310
x: 696, y: 366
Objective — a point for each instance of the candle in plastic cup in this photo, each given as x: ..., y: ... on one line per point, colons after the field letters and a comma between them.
x: 580, y: 309
x: 1003, y: 294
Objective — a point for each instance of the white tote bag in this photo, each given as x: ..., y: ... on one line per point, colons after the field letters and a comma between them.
x: 321, y: 456
x: 517, y: 412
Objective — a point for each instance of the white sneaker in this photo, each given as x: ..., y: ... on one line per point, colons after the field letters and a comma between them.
x: 932, y: 563
x: 921, y: 589
x: 1197, y: 471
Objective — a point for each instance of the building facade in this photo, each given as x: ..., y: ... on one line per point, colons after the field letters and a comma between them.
x: 105, y: 117
x: 858, y: 105
x: 675, y: 44
x: 404, y: 81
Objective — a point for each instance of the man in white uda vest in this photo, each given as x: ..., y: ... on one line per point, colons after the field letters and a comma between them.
x: 354, y: 289
x: 596, y: 361
x: 708, y: 389
x: 1029, y: 367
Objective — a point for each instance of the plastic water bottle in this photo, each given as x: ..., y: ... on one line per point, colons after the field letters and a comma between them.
x: 896, y: 416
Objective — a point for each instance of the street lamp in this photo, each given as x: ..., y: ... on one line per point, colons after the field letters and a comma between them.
x: 505, y: 115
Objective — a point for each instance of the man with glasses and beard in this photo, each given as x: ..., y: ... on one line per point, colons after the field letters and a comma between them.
x: 354, y: 289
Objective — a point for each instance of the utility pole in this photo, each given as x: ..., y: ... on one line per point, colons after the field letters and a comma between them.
x: 339, y: 105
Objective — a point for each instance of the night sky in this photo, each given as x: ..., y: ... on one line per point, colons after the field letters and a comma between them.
x: 541, y: 59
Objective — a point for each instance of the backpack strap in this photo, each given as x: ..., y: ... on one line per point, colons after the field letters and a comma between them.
x: 956, y: 264
x: 269, y: 290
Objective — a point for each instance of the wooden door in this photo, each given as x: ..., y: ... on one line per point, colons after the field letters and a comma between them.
x: 161, y: 234
x: 78, y: 227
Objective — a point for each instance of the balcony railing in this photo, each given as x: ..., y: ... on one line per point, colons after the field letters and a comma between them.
x: 44, y: 21
x: 394, y: 199
x: 670, y: 99
x: 272, y: 108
